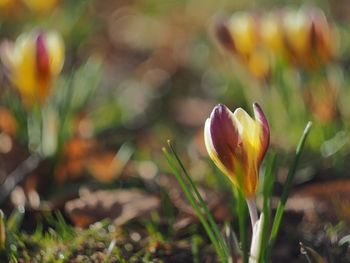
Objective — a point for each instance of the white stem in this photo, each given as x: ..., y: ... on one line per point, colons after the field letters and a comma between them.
x: 253, y: 212
x: 255, y: 247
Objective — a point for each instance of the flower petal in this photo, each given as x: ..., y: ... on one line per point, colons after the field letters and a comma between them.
x: 224, y: 36
x: 6, y: 54
x: 248, y: 129
x: 242, y: 27
x: 55, y: 47
x: 210, y: 148
x: 265, y: 131
x: 24, y: 74
x: 221, y: 137
x: 42, y: 57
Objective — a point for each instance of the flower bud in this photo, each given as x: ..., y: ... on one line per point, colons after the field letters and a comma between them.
x: 237, y: 144
x: 34, y: 61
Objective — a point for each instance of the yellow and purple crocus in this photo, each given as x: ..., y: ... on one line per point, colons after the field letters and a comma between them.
x: 34, y: 60
x: 237, y: 144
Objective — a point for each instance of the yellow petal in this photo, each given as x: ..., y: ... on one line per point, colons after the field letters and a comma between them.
x: 55, y: 47
x: 259, y: 63
x: 297, y: 30
x: 249, y: 131
x: 243, y: 30
x: 271, y: 33
x: 23, y: 74
x: 265, y: 131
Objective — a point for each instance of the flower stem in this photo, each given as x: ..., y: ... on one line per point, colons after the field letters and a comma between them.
x: 253, y: 212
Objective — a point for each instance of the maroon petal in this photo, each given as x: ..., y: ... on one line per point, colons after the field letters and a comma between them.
x: 265, y: 134
x: 42, y: 57
x: 224, y: 135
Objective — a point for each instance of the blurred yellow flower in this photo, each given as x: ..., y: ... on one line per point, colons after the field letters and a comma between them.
x: 324, y: 39
x: 271, y: 33
x: 239, y: 35
x: 297, y: 29
x: 243, y: 32
x: 33, y: 61
x: 40, y: 6
x: 259, y: 63
x: 237, y: 143
x: 303, y: 37
x: 309, y: 38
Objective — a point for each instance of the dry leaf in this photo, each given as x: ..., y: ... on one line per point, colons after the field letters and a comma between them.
x: 118, y: 205
x: 323, y: 201
x: 73, y: 161
x: 8, y: 123
x: 104, y: 166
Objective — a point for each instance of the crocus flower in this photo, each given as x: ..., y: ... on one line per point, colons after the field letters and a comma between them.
x: 310, y: 39
x: 239, y: 35
x: 242, y: 28
x: 237, y: 144
x: 271, y: 34
x: 259, y: 63
x: 33, y: 61
x: 296, y: 26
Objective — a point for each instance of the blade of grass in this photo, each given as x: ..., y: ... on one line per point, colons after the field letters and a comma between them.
x: 192, y: 200
x: 14, y: 222
x: 232, y: 242
x: 195, y: 249
x: 242, y: 217
x: 192, y: 185
x: 242, y: 213
x: 110, y: 250
x: 287, y: 187
x: 267, y: 190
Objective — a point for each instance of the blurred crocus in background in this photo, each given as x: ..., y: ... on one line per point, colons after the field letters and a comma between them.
x: 310, y: 39
x: 271, y: 33
x: 239, y: 36
x: 302, y: 37
x: 34, y: 60
x: 237, y: 144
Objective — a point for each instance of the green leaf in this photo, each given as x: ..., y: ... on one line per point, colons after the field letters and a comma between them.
x: 287, y: 186
x: 202, y: 216
x: 207, y: 213
x: 268, y: 182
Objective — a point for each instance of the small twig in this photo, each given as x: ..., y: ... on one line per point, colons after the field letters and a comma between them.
x: 18, y: 175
